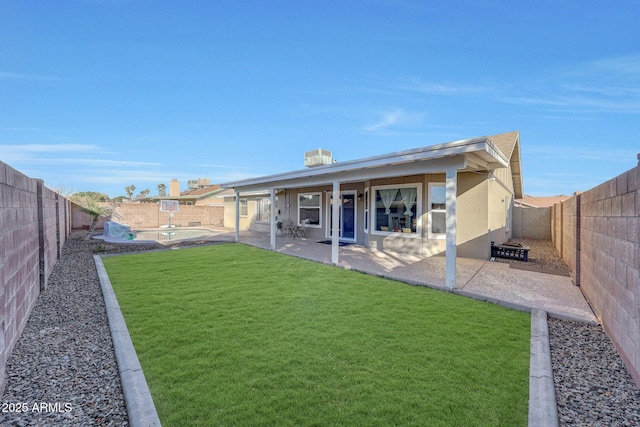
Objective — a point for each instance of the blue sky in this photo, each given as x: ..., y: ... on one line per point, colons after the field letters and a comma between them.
x: 96, y: 95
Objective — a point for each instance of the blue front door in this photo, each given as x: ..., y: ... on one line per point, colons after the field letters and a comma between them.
x: 347, y: 220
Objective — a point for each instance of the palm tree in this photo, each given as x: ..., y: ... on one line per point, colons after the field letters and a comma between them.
x: 162, y: 190
x: 130, y: 189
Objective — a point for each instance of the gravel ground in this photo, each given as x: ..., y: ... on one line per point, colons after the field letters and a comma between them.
x: 65, y: 356
x: 542, y: 256
x: 593, y: 386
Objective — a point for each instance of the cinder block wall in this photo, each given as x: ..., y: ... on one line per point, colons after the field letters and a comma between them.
x: 147, y: 215
x: 82, y: 220
x: 532, y: 223
x: 598, y: 233
x: 556, y: 227
x: 34, y: 224
x: 570, y: 245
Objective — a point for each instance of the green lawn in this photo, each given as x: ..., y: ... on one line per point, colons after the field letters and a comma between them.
x: 235, y: 335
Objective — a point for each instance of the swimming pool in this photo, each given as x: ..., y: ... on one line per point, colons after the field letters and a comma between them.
x: 167, y: 234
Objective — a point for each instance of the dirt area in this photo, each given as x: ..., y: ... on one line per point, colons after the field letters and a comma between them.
x: 543, y: 256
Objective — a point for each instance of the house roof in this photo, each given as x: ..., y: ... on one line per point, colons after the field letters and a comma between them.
x: 541, y: 202
x: 201, y: 191
x: 197, y: 194
x: 474, y: 154
x: 509, y: 144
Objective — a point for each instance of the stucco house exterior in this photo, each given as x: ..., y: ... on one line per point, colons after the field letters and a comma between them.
x: 453, y: 198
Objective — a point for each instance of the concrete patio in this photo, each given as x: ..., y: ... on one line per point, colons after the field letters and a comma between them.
x: 479, y: 279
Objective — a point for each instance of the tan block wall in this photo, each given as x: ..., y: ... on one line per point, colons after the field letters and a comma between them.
x: 82, y: 220
x: 598, y: 236
x: 570, y: 234
x: 148, y: 215
x: 556, y: 227
x: 34, y: 224
x: 532, y: 223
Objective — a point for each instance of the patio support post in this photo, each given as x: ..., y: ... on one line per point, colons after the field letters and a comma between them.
x: 237, y: 216
x: 272, y: 222
x: 335, y: 222
x: 451, y: 228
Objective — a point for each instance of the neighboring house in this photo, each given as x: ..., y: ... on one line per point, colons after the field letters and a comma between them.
x: 455, y: 198
x: 540, y: 202
x: 207, y: 195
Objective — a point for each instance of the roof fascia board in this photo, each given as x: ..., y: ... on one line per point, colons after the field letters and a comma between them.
x: 494, y: 152
x: 173, y: 197
x: 468, y: 146
x: 363, y: 174
x: 516, y: 169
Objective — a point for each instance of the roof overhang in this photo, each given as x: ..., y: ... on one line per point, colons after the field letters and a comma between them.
x: 476, y: 154
x: 516, y: 170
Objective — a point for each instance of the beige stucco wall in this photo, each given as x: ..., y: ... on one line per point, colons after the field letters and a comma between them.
x: 472, y: 215
x: 483, y: 206
x: 246, y: 222
x: 210, y: 201
x: 501, y: 201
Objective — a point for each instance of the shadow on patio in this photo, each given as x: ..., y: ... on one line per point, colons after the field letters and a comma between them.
x: 478, y: 279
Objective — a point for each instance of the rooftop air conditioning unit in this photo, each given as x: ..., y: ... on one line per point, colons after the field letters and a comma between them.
x: 317, y: 157
x: 195, y: 184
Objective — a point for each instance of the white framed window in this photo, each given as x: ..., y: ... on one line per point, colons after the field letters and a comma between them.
x: 437, y: 210
x: 243, y: 207
x: 263, y: 210
x: 366, y: 210
x: 395, y: 209
x: 309, y: 209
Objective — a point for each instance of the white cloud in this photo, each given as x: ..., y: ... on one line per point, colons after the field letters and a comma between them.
x: 603, y: 153
x: 389, y: 118
x: 626, y: 66
x: 606, y: 85
x: 34, y: 152
x: 126, y: 176
x: 69, y: 160
x: 573, y: 100
x: 414, y: 84
x: 48, y: 148
x: 5, y: 75
x: 103, y: 162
